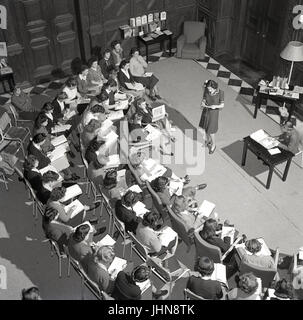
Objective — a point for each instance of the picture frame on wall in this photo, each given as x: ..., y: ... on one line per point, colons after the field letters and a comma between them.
x: 156, y: 16
x: 163, y: 15
x: 144, y: 19
x: 132, y: 22
x: 138, y: 22
x: 150, y: 18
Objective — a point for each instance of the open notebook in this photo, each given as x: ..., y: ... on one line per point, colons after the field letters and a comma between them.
x: 106, y: 241
x: 140, y: 209
x: 78, y: 207
x: 59, y: 151
x: 166, y: 235
x: 60, y: 164
x: 206, y: 208
x: 264, y: 139
x: 72, y: 192
x: 219, y: 273
x: 116, y: 266
x: 60, y: 128
x: 59, y: 140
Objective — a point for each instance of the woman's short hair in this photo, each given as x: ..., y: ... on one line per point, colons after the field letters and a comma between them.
x: 40, y: 119
x: 49, y: 214
x: 71, y: 82
x: 159, y: 184
x: 283, y: 289
x: 205, y: 266
x: 129, y: 198
x: 97, y: 108
x: 114, y: 43
x: 105, y: 254
x: 81, y: 232
x: 29, y: 162
x: 110, y: 179
x: 93, y: 125
x: 62, y: 95
x: 209, y: 229
x: 50, y: 176
x: 102, y: 97
x: 31, y: 293
x: 83, y: 68
x: 123, y: 63
x: 211, y: 83
x: 150, y: 219
x: 248, y: 283
x: 57, y: 193
x: 253, y: 246
x: 47, y: 107
x: 133, y: 50
x: 91, y: 60
x: 140, y: 273
x: 39, y: 137
x: 106, y: 51
x: 111, y: 83
x: 139, y: 101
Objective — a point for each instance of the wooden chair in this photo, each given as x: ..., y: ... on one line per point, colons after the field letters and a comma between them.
x: 18, y: 121
x: 13, y: 134
x: 265, y: 274
x: 189, y: 295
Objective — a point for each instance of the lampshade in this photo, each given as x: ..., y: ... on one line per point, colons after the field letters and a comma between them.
x: 293, y: 51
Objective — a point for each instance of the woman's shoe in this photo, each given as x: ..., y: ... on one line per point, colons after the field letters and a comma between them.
x: 212, y: 150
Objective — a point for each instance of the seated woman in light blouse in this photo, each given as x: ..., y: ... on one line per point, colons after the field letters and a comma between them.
x: 137, y: 68
x: 126, y: 79
x: 95, y: 76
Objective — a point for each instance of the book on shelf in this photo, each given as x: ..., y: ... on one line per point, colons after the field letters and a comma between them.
x: 116, y: 266
x: 72, y: 192
x: 264, y: 139
x: 78, y: 207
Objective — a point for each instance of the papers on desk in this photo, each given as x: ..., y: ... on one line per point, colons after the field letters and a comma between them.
x: 113, y: 161
x: 59, y: 151
x: 166, y: 235
x: 152, y: 170
x: 72, y: 192
x: 60, y: 128
x: 291, y: 94
x: 148, y: 38
x: 219, y: 273
x: 116, y: 266
x: 121, y: 105
x: 228, y: 232
x: 264, y: 139
x: 263, y: 252
x: 59, y: 140
x: 206, y: 208
x: 144, y: 285
x: 140, y: 209
x: 115, y: 115
x: 135, y: 188
x: 153, y: 133
x: 274, y: 151
x: 69, y: 114
x: 61, y: 163
x: 79, y: 207
x: 106, y: 241
x: 167, y: 32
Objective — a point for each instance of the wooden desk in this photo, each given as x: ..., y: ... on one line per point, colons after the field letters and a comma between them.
x: 270, y: 160
x: 278, y: 98
x: 160, y: 39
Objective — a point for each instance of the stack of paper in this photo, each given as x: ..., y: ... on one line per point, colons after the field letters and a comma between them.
x: 122, y: 105
x: 219, y: 273
x: 116, y: 266
x: 167, y: 32
x: 115, y: 115
x: 206, y: 208
x: 140, y: 209
x: 135, y: 188
x: 78, y: 207
x: 106, y: 241
x: 113, y: 161
x: 59, y: 140
x: 60, y: 128
x: 264, y: 139
x: 72, y: 192
x: 166, y: 235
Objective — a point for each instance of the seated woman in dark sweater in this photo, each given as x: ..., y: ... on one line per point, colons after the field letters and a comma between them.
x: 208, y: 233
x: 31, y: 172
x: 201, y: 283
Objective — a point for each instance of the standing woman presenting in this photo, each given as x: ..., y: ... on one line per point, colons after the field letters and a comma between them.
x: 213, y: 101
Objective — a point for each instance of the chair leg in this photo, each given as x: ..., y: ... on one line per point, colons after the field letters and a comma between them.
x: 82, y: 288
x: 124, y: 245
x: 68, y: 266
x: 60, y: 267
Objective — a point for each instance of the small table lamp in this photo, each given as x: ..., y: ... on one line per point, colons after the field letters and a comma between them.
x: 293, y: 52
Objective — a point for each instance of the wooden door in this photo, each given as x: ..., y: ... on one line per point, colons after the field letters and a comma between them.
x: 49, y: 32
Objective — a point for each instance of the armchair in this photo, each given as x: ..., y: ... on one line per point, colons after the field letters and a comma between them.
x: 192, y: 43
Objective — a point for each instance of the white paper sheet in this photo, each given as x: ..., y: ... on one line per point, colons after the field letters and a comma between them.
x: 78, y: 208
x: 72, y: 192
x: 116, y: 266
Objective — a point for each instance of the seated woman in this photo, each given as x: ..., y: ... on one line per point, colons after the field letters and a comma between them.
x: 97, y: 265
x: 60, y: 107
x: 41, y: 126
x: 106, y: 63
x: 137, y: 68
x: 147, y: 235
x: 127, y: 81
x: 96, y: 112
x: 90, y: 132
x: 49, y: 181
x: 113, y: 187
x: 48, y: 110
x: 180, y: 208
x: 96, y: 171
x: 125, y: 213
x: 35, y: 148
x: 201, y: 283
x: 251, y: 254
x: 246, y: 288
x: 83, y: 83
x: 209, y: 234
x: 95, y: 77
x: 96, y: 147
x: 54, y: 229
x: 23, y: 103
x: 117, y: 52
x: 31, y: 172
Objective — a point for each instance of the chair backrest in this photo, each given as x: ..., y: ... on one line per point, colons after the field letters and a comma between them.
x: 204, y: 249
x: 189, y: 295
x: 193, y: 30
x: 140, y: 248
x: 14, y: 113
x: 179, y: 227
x: 5, y: 122
x: 265, y: 274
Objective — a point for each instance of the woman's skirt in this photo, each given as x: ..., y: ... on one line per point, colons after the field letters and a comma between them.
x: 148, y: 82
x: 209, y: 120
